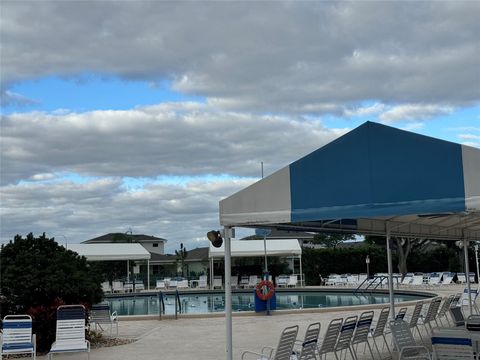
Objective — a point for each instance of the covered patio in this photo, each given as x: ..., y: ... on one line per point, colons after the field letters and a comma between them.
x: 374, y: 180
x: 113, y: 252
x: 258, y: 248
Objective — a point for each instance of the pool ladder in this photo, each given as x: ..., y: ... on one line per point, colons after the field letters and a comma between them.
x: 161, y: 304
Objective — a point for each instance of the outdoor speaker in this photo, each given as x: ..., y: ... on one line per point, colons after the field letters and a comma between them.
x: 215, y: 238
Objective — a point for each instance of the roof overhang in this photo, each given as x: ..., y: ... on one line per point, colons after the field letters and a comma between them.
x: 253, y: 248
x: 110, y: 252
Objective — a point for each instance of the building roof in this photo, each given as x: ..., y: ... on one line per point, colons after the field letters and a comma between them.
x: 246, y: 248
x: 110, y: 252
x: 123, y: 238
x: 370, y: 177
x: 194, y: 255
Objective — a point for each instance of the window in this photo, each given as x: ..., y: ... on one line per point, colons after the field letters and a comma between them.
x: 155, y: 244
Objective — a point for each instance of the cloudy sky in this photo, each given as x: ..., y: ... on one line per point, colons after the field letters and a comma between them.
x: 143, y: 115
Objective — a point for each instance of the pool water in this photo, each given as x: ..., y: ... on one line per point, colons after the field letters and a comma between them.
x: 215, y: 302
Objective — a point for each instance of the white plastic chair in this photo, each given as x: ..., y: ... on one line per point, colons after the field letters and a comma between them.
x: 234, y: 281
x: 160, y: 284
x: 252, y: 281
x: 405, y: 343
x: 282, y: 352
x: 292, y: 281
x: 17, y: 337
x: 307, y: 349
x: 106, y: 287
x: 217, y: 282
x: 139, y: 286
x: 100, y: 315
x: 202, y: 282
x: 117, y: 286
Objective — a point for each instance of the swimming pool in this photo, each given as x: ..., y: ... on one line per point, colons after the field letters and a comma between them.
x: 214, y: 302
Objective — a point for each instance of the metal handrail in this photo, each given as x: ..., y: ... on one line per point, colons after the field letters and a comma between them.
x: 161, y: 305
x: 178, y: 303
x: 372, y: 282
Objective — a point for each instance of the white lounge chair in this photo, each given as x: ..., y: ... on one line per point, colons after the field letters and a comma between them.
x: 172, y: 283
x: 405, y: 343
x: 448, y: 278
x: 282, y: 280
x: 407, y: 280
x: 106, y: 287
x: 252, y: 281
x: 464, y: 301
x: 330, y: 339
x: 202, y: 282
x: 182, y: 284
x: 139, y: 286
x: 307, y: 349
x: 452, y: 344
x: 128, y: 286
x: 434, y: 279
x: 70, y: 334
x: 244, y: 282
x: 283, y: 350
x: 461, y: 278
x: 117, y: 286
x: 292, y: 281
x: 379, y: 330
x: 217, y: 282
x: 160, y: 284
x: 417, y: 280
x: 100, y: 315
x: 362, y: 330
x: 17, y: 337
x: 344, y: 341
x: 234, y: 281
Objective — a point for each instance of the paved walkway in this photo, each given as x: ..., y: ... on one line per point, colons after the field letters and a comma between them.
x: 204, y: 338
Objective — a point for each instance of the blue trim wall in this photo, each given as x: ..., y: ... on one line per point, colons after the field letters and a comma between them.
x: 377, y: 170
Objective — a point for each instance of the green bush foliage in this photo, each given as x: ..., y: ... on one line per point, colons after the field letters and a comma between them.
x: 38, y: 275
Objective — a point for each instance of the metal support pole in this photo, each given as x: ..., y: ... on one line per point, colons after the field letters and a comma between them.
x: 228, y: 292
x: 128, y: 270
x: 478, y: 270
x: 211, y: 273
x: 148, y: 274
x: 467, y: 274
x: 390, y: 272
x: 301, y: 272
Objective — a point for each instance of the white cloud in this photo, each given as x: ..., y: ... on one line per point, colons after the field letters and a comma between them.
x: 284, y: 57
x: 169, y: 139
x: 180, y: 213
x: 469, y: 137
x: 414, y: 112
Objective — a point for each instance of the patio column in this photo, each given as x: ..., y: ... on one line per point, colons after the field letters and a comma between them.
x: 211, y: 273
x: 228, y: 292
x: 390, y: 271
x: 467, y: 274
x: 128, y: 270
x: 148, y: 274
x: 301, y: 273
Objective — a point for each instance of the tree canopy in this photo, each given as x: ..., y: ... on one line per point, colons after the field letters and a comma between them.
x: 38, y: 272
x: 331, y: 240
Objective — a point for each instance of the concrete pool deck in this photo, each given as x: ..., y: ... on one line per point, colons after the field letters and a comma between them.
x: 204, y: 339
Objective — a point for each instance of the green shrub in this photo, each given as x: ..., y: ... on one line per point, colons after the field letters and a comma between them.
x: 38, y: 275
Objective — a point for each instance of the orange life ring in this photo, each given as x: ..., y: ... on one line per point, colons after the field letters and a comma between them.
x: 259, y: 290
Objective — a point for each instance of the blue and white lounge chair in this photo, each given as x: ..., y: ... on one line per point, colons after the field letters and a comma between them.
x: 452, y: 344
x: 17, y: 336
x: 70, y: 335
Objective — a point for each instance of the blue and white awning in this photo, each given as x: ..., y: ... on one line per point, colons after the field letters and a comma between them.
x: 423, y: 186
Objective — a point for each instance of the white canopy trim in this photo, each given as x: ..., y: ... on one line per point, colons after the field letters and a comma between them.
x: 111, y: 252
x: 246, y: 248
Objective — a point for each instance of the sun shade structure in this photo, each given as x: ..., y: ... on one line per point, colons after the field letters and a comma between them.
x: 424, y: 187
x: 111, y: 252
x: 249, y: 248
x: 373, y: 180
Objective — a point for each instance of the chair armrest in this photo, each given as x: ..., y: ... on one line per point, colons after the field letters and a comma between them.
x: 114, y: 316
x: 257, y: 355
x: 268, y: 348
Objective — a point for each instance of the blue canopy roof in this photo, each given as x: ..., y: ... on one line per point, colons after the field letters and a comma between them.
x: 373, y: 174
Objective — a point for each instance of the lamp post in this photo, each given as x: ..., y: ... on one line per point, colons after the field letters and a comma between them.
x: 476, y: 258
x: 367, y: 261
